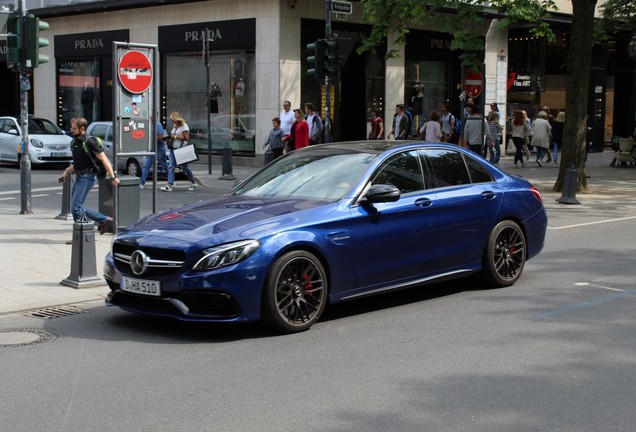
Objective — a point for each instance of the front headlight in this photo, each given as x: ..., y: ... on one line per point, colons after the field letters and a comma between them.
x: 227, y: 254
x: 37, y: 143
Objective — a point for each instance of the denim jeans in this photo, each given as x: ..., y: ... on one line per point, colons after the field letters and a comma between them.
x: 495, y: 152
x: 83, y: 185
x: 185, y: 168
x: 161, y: 160
x: 555, y: 152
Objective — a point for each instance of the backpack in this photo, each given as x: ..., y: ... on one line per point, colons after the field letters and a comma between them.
x: 98, y: 168
x: 409, y: 128
x: 457, y: 130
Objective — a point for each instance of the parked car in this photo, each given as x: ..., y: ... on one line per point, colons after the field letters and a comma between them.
x: 237, y: 132
x: 131, y: 165
x: 325, y: 224
x: 47, y: 143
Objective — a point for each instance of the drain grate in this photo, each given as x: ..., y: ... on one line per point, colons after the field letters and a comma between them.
x: 13, y: 338
x: 55, y: 312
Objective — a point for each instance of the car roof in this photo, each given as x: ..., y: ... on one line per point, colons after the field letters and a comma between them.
x: 380, y: 146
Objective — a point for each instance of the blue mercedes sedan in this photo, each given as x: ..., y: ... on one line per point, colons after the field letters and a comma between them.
x: 325, y: 224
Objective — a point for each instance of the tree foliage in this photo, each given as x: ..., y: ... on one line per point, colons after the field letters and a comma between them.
x: 458, y: 18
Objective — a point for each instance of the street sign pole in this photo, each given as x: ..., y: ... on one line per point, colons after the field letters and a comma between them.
x: 25, y: 86
x: 206, y: 59
x: 327, y: 83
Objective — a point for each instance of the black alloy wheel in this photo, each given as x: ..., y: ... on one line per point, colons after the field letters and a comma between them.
x: 505, y: 255
x: 295, y: 293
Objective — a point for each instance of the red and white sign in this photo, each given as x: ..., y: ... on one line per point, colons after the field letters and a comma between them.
x: 135, y: 72
x: 473, y: 82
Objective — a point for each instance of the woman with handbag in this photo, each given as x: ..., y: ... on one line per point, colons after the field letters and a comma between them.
x: 178, y: 138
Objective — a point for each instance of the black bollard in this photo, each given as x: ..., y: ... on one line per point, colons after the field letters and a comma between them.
x: 67, y: 187
x: 83, y: 261
x: 569, y: 188
x: 227, y: 164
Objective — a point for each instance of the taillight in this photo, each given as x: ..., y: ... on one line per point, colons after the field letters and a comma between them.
x: 536, y: 194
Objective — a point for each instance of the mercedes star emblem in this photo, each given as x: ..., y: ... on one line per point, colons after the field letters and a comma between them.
x: 138, y: 262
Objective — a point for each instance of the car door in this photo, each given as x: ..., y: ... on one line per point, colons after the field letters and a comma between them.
x: 467, y: 199
x: 9, y: 141
x: 395, y: 242
x: 103, y: 131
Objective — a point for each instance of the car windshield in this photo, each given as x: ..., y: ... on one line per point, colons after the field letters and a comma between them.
x: 39, y: 126
x: 318, y: 174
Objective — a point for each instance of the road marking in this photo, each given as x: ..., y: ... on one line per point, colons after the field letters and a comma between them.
x: 598, y: 286
x: 571, y: 308
x: 47, y: 189
x: 7, y: 199
x: 593, y: 223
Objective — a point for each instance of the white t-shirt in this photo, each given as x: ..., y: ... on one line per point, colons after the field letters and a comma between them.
x: 286, y: 120
x: 177, y: 132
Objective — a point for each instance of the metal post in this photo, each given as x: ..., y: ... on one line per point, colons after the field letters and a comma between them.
x: 83, y: 259
x: 206, y: 59
x: 67, y: 187
x: 25, y: 86
x: 327, y: 83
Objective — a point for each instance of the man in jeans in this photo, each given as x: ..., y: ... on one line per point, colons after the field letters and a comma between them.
x: 86, y: 175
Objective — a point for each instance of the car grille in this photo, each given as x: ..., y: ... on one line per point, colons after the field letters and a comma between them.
x: 160, y: 263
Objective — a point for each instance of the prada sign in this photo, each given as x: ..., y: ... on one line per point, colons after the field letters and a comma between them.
x: 89, y: 44
x: 234, y: 34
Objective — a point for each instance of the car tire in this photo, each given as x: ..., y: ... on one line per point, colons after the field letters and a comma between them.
x: 505, y: 255
x: 133, y: 168
x: 295, y: 293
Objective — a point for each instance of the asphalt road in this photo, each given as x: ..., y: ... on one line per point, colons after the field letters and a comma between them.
x: 556, y: 352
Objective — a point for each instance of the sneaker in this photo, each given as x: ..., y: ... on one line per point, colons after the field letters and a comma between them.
x: 142, y: 186
x: 166, y: 188
x: 555, y: 164
x: 193, y: 186
x: 539, y: 163
x: 523, y: 164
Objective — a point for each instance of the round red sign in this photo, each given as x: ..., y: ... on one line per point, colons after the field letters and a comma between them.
x: 135, y: 72
x: 473, y: 82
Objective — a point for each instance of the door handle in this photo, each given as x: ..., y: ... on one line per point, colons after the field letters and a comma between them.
x: 423, y: 202
x: 488, y: 195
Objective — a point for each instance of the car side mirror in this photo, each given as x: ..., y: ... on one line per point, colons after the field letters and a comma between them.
x: 380, y: 193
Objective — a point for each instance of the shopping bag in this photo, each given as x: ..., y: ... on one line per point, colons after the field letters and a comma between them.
x: 269, y: 155
x: 183, y: 155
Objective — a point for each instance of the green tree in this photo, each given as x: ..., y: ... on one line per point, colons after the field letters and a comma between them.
x: 460, y: 19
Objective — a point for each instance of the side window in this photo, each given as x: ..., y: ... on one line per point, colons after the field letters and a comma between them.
x: 448, y: 167
x: 403, y: 171
x: 478, y: 173
x: 100, y: 131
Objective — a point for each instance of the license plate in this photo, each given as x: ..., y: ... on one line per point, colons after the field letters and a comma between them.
x: 58, y: 154
x: 141, y: 286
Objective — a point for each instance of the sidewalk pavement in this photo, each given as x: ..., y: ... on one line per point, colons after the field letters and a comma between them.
x: 35, y: 260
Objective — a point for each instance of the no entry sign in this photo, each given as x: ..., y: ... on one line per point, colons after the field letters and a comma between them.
x: 135, y: 72
x: 473, y: 82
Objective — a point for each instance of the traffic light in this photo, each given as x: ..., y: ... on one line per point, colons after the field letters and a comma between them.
x: 14, y: 42
x: 317, y: 60
x: 332, y: 58
x: 34, y: 42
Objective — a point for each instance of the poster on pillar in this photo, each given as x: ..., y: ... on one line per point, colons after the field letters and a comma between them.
x: 135, y: 105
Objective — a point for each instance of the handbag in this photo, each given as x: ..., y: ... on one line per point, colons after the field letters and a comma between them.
x: 185, y: 154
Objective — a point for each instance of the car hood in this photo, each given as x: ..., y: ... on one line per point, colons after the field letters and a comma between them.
x: 224, y: 219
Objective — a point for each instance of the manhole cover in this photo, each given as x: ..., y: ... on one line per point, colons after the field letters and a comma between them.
x: 26, y: 337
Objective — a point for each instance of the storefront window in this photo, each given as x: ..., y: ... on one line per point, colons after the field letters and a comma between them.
x: 78, y: 91
x: 232, y: 102
x: 426, y: 87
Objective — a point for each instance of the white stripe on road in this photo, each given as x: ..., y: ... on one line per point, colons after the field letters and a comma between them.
x: 47, y: 189
x: 593, y: 223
